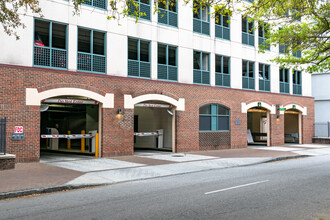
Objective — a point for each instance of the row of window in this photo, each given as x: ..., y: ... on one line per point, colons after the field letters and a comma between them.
x: 50, y: 50
x: 168, y: 15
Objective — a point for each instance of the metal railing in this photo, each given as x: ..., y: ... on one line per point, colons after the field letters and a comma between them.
x: 322, y: 129
x: 3, y: 135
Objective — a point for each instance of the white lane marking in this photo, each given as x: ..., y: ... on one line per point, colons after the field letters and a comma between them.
x: 235, y: 187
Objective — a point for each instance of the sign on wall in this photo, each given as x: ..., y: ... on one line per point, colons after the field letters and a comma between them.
x: 18, y: 130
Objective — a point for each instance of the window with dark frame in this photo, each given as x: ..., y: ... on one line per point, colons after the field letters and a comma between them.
x: 222, y: 26
x: 201, y: 20
x: 167, y: 62
x: 143, y: 6
x: 247, y: 32
x: 296, y: 81
x: 139, y: 58
x: 214, y: 117
x: 201, y: 68
x: 91, y: 51
x: 284, y: 81
x: 168, y: 14
x: 50, y: 44
x: 222, y: 71
x: 248, y: 75
x: 264, y: 77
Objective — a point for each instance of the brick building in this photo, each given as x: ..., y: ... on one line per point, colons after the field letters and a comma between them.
x: 196, y: 82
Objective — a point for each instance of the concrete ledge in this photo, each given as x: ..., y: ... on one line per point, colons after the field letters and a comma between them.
x: 321, y: 140
x: 7, y: 161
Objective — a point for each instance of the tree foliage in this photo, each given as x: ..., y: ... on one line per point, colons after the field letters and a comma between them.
x: 300, y: 25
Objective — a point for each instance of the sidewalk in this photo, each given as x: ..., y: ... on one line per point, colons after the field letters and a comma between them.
x: 60, y: 172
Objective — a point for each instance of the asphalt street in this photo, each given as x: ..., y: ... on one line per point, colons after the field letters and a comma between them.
x: 292, y: 189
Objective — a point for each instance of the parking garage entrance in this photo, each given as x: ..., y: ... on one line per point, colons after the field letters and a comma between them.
x: 258, y: 126
x: 292, y: 126
x: 69, y: 124
x: 154, y: 126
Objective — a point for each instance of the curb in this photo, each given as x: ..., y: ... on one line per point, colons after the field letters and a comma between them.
x: 286, y: 158
x: 10, y: 195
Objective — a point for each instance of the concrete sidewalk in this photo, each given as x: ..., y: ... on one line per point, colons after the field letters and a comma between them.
x: 60, y: 172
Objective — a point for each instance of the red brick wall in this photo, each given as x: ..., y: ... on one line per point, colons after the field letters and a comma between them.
x: 117, y: 135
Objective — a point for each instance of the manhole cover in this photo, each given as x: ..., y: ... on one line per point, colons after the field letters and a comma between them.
x: 177, y: 155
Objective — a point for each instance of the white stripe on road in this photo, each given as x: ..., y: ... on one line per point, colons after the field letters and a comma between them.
x: 235, y: 187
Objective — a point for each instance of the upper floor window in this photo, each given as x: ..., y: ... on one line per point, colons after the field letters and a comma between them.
x: 168, y: 13
x: 138, y: 58
x: 50, y: 44
x: 222, y: 71
x: 264, y: 77
x: 143, y: 6
x: 263, y: 34
x: 247, y: 74
x: 102, y: 4
x: 201, y: 20
x: 297, y: 54
x: 201, y: 68
x: 214, y: 117
x: 296, y: 80
x: 247, y: 32
x: 284, y: 81
x: 167, y: 62
x: 222, y: 26
x: 91, y: 51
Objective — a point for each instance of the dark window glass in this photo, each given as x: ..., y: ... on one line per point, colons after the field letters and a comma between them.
x: 172, y: 5
x: 299, y: 77
x: 218, y: 64
x: 98, y: 42
x: 144, y: 51
x: 161, y: 54
x: 204, y: 123
x: 197, y: 60
x: 244, y: 26
x: 226, y: 65
x: 206, y: 109
x: 145, y: 1
x: 261, y: 34
x: 294, y: 77
x: 251, y: 69
x: 133, y: 49
x: 58, y: 36
x: 250, y: 27
x: 225, y: 21
x: 223, y: 123
x: 42, y: 32
x: 244, y: 68
x: 261, y: 74
x: 84, y: 40
x: 162, y: 5
x: 286, y: 75
x: 281, y: 75
x: 172, y: 56
x: 222, y: 110
x: 267, y: 72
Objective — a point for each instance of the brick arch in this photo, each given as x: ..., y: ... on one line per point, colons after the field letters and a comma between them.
x: 70, y: 85
x: 129, y: 101
x: 303, y: 110
x: 33, y: 97
x: 270, y: 108
x: 140, y: 92
x: 214, y: 102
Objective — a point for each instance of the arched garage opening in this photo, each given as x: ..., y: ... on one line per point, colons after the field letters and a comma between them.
x: 69, y: 124
x: 154, y: 121
x: 258, y: 123
x: 293, y: 125
x: 70, y: 119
